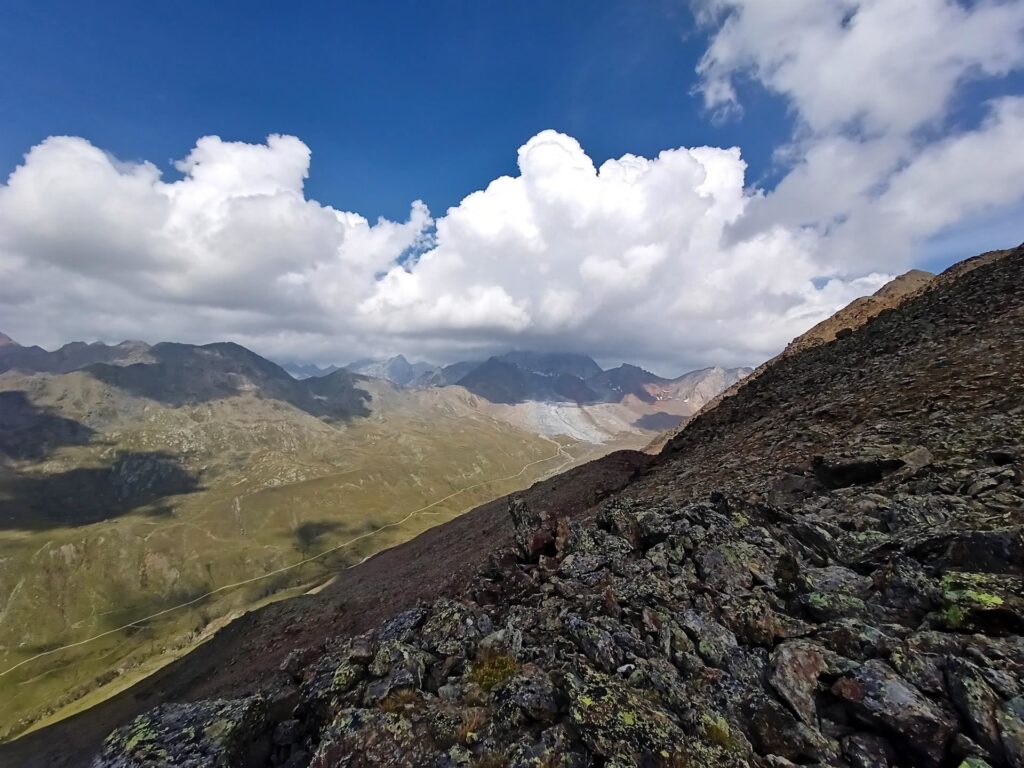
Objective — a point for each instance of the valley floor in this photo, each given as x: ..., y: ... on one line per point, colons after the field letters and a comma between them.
x: 122, y: 586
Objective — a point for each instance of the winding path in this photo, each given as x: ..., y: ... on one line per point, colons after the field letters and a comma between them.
x: 559, y: 452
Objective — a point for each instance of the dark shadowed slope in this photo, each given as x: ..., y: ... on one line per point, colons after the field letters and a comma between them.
x: 30, y: 432
x: 182, y: 374
x: 70, y: 357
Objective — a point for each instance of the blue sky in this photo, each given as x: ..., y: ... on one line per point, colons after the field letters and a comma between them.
x: 872, y: 136
x: 397, y: 100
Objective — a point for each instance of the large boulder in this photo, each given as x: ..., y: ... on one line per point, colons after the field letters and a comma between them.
x: 534, y: 529
x: 877, y: 695
x: 217, y: 733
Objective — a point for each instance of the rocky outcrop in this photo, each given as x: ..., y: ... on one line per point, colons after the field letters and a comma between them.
x: 825, y: 570
x: 210, y: 734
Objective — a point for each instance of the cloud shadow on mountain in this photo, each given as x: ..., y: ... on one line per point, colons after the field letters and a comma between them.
x: 30, y: 432
x: 658, y: 422
x: 89, y: 495
x: 183, y: 374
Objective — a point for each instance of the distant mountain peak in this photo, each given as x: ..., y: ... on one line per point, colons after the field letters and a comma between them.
x: 397, y: 369
x: 308, y: 370
x: 7, y: 341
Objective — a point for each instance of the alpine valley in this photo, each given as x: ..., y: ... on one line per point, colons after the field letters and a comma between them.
x: 148, y: 494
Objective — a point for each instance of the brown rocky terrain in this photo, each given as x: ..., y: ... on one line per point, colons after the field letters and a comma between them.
x: 848, y: 319
x: 859, y: 311
x: 825, y: 569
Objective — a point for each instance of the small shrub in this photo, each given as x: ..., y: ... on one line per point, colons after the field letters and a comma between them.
x: 491, y: 760
x: 472, y: 723
x: 399, y: 701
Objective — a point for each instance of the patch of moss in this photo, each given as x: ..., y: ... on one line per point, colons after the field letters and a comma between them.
x: 956, y: 616
x: 493, y: 668
x: 982, y: 598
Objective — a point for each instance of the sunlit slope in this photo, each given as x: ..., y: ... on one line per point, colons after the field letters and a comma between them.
x: 260, y: 486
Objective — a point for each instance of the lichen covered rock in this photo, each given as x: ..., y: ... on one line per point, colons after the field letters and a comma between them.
x: 208, y: 734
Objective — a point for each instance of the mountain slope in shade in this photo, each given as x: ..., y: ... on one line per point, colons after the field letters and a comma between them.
x: 553, y: 363
x: 71, y: 356
x: 182, y: 374
x: 448, y: 375
x: 617, y: 383
x: 500, y: 380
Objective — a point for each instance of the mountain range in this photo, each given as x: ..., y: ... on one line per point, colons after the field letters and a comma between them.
x: 181, y: 373
x: 520, y: 376
x: 134, y: 477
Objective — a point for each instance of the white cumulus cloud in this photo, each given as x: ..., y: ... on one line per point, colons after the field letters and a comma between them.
x: 674, y: 260
x: 629, y: 260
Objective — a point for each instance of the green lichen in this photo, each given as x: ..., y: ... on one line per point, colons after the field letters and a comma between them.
x: 716, y: 730
x: 972, y: 588
x: 141, y: 732
x: 826, y: 605
x: 818, y: 600
x: 346, y: 676
x: 216, y: 730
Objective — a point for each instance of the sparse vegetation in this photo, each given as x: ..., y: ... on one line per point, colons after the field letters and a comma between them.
x: 492, y: 668
x: 400, y: 700
x: 716, y: 730
x: 472, y: 722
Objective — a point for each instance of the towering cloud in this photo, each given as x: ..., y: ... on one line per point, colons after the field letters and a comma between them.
x: 665, y: 259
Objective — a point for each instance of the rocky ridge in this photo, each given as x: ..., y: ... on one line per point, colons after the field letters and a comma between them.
x: 859, y: 311
x: 826, y: 569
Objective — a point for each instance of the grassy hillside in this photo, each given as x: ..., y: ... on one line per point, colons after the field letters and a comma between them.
x: 149, y: 506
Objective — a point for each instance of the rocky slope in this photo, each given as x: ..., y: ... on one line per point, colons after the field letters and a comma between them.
x: 859, y: 311
x: 846, y: 320
x: 825, y: 569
